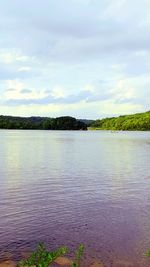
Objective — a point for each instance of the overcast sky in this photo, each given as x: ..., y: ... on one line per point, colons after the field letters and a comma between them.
x: 83, y: 58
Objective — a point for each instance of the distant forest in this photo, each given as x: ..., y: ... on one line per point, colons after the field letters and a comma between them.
x: 135, y: 122
x: 43, y: 123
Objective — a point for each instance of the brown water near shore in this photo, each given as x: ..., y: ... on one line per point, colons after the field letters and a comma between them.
x: 60, y: 261
x: 10, y: 260
x: 66, y: 262
x: 67, y: 188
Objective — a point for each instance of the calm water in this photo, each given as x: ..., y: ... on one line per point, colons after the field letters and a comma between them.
x: 66, y: 187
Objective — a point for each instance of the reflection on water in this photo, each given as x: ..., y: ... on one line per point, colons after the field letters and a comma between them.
x: 71, y: 187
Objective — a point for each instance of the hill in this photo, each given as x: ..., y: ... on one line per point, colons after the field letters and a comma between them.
x: 43, y: 123
x: 87, y: 122
x: 135, y: 122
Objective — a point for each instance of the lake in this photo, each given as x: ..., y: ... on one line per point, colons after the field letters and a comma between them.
x: 71, y: 187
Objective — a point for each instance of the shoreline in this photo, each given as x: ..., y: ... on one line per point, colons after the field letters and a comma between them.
x: 66, y: 261
x: 60, y: 261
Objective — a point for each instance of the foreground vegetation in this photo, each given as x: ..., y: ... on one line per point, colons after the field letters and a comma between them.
x: 135, y: 122
x: 41, y: 257
x: 43, y: 123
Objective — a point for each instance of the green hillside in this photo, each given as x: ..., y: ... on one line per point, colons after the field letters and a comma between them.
x: 41, y: 123
x: 135, y: 122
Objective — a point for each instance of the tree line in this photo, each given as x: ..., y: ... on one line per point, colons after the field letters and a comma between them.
x: 135, y: 122
x: 42, y: 123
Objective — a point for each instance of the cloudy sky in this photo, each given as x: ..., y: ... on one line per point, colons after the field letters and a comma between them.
x: 84, y: 58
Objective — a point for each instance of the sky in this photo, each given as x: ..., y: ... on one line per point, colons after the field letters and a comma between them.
x: 82, y: 58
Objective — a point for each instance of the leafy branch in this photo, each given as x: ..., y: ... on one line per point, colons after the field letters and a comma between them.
x: 41, y: 257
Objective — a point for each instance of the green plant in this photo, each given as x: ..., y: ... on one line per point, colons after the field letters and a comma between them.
x: 148, y: 253
x: 78, y: 255
x: 43, y: 258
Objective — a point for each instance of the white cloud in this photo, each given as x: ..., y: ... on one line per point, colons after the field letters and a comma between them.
x: 111, y: 108
x: 9, y: 57
x: 25, y: 68
x: 15, y: 84
x: 89, y: 87
x: 32, y: 110
x: 14, y: 91
x: 113, y: 9
x: 79, y: 56
x: 123, y: 91
x: 58, y: 92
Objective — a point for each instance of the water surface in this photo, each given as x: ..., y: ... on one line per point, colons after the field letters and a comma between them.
x: 68, y: 187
